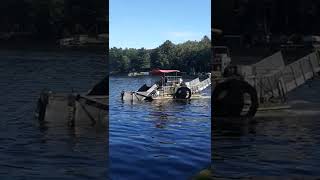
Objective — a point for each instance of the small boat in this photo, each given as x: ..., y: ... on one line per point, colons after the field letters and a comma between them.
x: 131, y: 74
x: 170, y: 86
x: 75, y: 109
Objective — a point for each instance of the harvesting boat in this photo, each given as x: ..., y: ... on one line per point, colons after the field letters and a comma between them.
x: 75, y: 109
x: 170, y: 86
x: 242, y: 90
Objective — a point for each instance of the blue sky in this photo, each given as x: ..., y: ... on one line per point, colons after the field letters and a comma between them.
x: 148, y: 23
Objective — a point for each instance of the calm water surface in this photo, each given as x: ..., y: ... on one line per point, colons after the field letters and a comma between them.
x: 30, y: 151
x: 281, y: 143
x: 157, y: 140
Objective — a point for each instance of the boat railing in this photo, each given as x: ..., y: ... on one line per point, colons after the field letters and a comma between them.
x: 173, y: 79
x: 277, y: 84
x: 177, y: 77
x: 197, y: 86
x: 167, y: 90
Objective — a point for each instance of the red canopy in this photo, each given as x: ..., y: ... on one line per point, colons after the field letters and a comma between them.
x: 162, y: 71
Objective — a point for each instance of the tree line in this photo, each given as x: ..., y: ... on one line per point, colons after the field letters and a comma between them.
x: 250, y: 16
x: 190, y: 56
x: 52, y: 19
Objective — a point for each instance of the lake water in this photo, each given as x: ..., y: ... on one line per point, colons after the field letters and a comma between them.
x: 30, y: 151
x: 152, y: 140
x: 159, y: 139
x: 282, y: 143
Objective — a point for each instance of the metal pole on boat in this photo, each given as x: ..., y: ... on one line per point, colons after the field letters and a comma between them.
x: 176, y: 78
x: 163, y: 83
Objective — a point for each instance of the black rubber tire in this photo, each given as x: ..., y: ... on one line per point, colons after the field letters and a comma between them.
x: 183, y: 93
x: 228, y: 99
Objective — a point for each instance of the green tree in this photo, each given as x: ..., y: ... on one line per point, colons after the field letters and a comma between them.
x: 188, y: 57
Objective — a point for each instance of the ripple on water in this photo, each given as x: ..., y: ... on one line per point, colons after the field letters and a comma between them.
x: 30, y: 151
x: 157, y: 140
x: 283, y: 143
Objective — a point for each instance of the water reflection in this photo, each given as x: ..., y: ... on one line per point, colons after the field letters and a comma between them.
x: 90, y: 131
x: 76, y: 153
x: 234, y: 127
x: 159, y: 139
x: 160, y: 111
x: 271, y: 144
x: 30, y: 150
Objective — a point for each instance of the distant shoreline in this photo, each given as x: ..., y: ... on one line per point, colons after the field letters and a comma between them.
x: 30, y: 45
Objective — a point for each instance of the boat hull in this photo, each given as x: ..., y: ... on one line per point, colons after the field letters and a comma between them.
x: 133, y: 96
x: 140, y: 97
x: 65, y: 110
